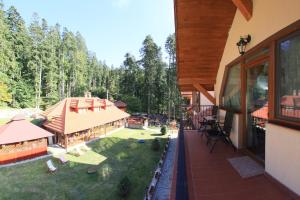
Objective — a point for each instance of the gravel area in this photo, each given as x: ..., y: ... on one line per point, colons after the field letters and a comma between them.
x: 163, y: 187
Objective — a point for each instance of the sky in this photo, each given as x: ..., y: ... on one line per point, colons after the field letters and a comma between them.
x: 111, y: 28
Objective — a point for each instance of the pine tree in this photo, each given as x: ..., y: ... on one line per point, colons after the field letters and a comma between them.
x: 151, y: 54
x: 5, y: 96
x: 130, y: 78
x: 174, y: 97
x: 8, y: 65
x: 35, y: 63
x: 18, y: 36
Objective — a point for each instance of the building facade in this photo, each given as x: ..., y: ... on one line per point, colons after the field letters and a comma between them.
x: 20, y: 140
x: 79, y: 119
x: 260, y: 85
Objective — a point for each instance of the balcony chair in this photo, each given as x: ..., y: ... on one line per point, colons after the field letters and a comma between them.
x: 63, y: 159
x: 221, y: 133
x: 296, y: 107
x: 51, y: 167
x: 204, y: 122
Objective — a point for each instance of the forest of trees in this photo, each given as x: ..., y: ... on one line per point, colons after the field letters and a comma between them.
x: 42, y: 64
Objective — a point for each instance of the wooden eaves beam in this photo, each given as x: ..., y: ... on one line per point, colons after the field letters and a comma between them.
x: 201, y: 89
x: 185, y: 81
x: 245, y: 7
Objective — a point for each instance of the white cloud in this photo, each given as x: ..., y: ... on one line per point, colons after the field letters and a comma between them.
x: 121, y: 3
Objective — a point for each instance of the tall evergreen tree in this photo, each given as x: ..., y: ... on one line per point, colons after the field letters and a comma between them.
x: 174, y: 97
x: 40, y: 65
x: 130, y: 78
x: 151, y: 54
x: 19, y: 38
x: 8, y: 64
x: 37, y: 37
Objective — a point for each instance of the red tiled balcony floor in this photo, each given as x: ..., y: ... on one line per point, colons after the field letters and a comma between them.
x: 211, y: 177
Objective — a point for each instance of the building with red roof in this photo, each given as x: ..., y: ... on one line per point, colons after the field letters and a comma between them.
x: 121, y: 105
x: 80, y: 119
x: 20, y: 139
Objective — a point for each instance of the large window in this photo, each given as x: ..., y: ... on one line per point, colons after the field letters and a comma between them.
x: 288, y: 77
x: 231, y: 97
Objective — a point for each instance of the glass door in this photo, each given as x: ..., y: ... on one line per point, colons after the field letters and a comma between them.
x: 257, y: 108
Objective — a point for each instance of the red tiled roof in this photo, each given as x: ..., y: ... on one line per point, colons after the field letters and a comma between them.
x: 120, y: 104
x: 261, y: 113
x: 76, y: 103
x: 64, y: 119
x: 19, y: 130
x: 289, y: 100
x: 98, y: 103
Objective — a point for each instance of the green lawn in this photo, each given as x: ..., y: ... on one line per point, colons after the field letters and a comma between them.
x: 115, y: 156
x: 3, y: 121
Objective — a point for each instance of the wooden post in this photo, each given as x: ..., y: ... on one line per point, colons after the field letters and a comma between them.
x: 66, y: 140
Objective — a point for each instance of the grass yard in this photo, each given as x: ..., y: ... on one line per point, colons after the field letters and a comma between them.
x: 3, y: 121
x: 115, y: 156
x: 34, y: 121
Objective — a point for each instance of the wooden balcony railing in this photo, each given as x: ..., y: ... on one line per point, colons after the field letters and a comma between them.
x: 200, y: 112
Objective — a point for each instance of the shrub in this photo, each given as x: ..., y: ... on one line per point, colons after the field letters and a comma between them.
x: 124, y: 187
x: 163, y: 130
x: 155, y: 145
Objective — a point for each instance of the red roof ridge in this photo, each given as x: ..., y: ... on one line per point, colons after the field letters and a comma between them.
x: 54, y: 111
x: 120, y: 103
x: 21, y: 130
x: 18, y: 117
x: 64, y: 113
x: 68, y: 121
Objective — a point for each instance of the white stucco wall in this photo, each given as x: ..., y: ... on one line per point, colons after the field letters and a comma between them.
x: 269, y: 16
x: 282, y: 144
x: 283, y: 155
x: 204, y: 100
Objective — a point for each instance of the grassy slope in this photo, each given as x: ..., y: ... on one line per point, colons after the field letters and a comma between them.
x: 119, y: 155
x: 3, y: 121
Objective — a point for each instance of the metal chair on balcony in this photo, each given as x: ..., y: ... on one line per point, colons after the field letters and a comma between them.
x: 296, y: 106
x: 209, y: 120
x: 221, y: 133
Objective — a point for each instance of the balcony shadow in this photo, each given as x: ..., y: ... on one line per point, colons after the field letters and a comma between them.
x: 113, y: 158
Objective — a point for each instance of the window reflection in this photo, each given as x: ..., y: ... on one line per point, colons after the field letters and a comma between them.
x: 231, y: 97
x: 288, y: 81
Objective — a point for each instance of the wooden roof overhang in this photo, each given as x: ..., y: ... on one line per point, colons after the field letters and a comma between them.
x: 187, y: 94
x: 202, y: 28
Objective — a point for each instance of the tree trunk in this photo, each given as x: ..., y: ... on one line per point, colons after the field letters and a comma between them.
x: 40, y: 86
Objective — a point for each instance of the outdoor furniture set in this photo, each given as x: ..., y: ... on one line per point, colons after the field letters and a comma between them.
x: 51, y: 167
x: 214, y: 130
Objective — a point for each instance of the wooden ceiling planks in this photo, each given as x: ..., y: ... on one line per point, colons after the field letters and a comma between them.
x: 245, y: 7
x: 202, y: 28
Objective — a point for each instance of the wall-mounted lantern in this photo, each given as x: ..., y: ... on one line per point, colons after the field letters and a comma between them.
x: 242, y: 43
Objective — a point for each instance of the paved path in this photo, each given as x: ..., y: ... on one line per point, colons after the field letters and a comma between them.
x: 163, y: 188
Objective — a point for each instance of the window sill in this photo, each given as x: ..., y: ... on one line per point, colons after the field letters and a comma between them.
x: 284, y: 123
x: 230, y: 110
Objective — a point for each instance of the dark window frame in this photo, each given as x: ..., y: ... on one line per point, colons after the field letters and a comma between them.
x: 224, y: 83
x: 277, y: 101
x: 270, y: 42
